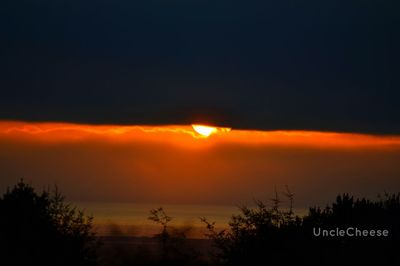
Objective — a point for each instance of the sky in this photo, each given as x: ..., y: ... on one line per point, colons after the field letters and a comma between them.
x: 309, y: 65
x: 174, y: 165
x: 98, y: 97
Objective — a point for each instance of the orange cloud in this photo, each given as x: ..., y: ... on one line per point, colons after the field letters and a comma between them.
x: 185, y: 135
x: 172, y: 163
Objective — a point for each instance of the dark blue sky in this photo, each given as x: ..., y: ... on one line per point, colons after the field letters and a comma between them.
x: 319, y: 65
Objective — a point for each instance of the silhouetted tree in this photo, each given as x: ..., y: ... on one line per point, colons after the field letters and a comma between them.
x: 176, y: 249
x: 41, y: 229
x: 159, y: 216
x: 271, y: 236
x: 258, y: 236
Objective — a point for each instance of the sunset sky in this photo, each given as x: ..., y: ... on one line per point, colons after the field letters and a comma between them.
x: 174, y: 164
x: 99, y: 97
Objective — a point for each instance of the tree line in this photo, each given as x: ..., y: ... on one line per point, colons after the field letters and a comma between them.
x: 42, y: 229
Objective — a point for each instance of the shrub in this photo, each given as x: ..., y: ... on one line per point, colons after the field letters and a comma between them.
x: 272, y: 236
x: 41, y: 229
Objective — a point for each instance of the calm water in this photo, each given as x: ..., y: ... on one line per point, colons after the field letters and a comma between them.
x: 131, y: 219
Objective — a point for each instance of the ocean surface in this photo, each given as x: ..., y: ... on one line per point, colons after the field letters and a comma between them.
x: 131, y: 219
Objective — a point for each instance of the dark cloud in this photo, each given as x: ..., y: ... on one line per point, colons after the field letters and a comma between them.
x: 255, y: 64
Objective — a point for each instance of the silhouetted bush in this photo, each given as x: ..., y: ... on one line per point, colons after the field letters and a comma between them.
x: 41, y: 229
x: 361, y: 214
x: 258, y: 236
x: 271, y: 236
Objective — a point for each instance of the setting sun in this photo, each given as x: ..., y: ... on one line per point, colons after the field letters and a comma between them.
x: 204, y: 131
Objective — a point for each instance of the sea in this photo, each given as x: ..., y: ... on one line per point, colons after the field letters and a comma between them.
x: 132, y: 219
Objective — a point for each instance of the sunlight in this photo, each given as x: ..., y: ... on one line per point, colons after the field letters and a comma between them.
x: 204, y: 131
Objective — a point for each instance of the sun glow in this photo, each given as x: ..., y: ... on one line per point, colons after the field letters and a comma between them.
x: 204, y: 131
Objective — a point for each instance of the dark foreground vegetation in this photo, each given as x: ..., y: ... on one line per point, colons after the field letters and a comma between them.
x: 41, y: 229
